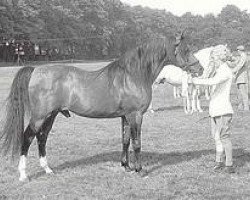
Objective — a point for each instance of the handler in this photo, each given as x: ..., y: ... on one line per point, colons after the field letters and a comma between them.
x: 220, y: 109
x: 241, y: 77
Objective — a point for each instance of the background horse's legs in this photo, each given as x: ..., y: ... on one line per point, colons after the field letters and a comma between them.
x: 42, y: 139
x: 125, y: 144
x: 186, y: 102
x: 150, y: 107
x: 207, y: 92
x: 196, y: 106
x: 28, y: 137
x: 179, y: 91
x: 194, y: 100
x: 175, y: 92
x: 198, y: 100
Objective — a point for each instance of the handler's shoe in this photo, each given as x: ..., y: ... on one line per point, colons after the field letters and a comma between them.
x: 229, y: 169
x: 218, y: 166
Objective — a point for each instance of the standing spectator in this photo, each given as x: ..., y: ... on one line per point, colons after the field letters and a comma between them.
x: 240, y: 72
x: 21, y: 52
x: 16, y: 56
x: 37, y: 52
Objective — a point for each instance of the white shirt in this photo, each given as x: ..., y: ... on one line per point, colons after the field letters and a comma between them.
x: 220, y: 98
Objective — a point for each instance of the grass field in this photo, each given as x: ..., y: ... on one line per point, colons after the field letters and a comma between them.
x: 177, y: 151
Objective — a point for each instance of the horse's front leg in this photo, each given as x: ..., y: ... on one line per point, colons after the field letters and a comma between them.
x: 125, y: 143
x: 135, y: 121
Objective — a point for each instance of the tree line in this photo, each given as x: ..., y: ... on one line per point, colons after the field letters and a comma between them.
x: 107, y: 28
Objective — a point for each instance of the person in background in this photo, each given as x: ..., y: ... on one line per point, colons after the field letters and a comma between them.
x: 240, y: 72
x: 220, y: 109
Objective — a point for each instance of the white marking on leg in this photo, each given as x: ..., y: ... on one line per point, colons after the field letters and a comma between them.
x: 44, y: 165
x: 22, y: 167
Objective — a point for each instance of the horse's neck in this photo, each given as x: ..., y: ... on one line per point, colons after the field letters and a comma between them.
x: 158, y: 69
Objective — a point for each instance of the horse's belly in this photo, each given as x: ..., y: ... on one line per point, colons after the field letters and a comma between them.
x: 174, y: 80
x: 102, y: 110
x: 103, y: 106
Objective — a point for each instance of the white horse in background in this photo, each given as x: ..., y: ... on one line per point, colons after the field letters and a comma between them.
x: 176, y: 77
x: 179, y: 79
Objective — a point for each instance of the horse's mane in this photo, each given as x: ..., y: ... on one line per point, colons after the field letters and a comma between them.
x: 145, y: 60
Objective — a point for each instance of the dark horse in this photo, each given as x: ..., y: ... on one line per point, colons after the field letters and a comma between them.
x: 121, y: 89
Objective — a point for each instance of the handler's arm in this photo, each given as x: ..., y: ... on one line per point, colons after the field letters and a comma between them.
x: 218, y: 78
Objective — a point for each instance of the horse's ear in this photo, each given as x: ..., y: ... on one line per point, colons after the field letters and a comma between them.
x: 179, y: 36
x: 178, y: 39
x: 183, y: 32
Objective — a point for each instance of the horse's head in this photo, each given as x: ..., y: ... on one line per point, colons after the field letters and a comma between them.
x: 185, y: 58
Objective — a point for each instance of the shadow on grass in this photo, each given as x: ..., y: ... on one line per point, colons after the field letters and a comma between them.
x: 151, y: 161
x: 241, y: 157
x: 169, y: 108
x: 172, y: 108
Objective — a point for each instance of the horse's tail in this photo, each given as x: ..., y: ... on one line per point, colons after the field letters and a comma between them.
x: 16, y: 105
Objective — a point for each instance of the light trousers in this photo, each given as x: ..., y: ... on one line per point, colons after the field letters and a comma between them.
x: 221, y: 133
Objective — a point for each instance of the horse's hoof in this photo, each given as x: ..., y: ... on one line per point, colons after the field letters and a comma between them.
x: 151, y: 110
x: 142, y: 173
x: 126, y: 167
x: 49, y: 171
x: 24, y: 179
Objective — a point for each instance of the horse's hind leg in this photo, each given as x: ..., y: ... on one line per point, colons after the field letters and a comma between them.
x: 42, y: 136
x: 28, y: 137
